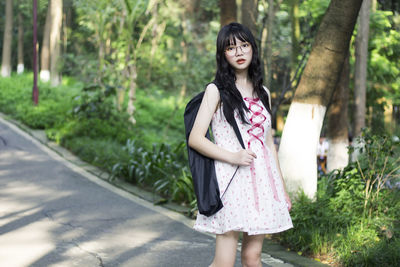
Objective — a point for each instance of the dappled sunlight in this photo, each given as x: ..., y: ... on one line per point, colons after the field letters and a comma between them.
x: 25, y: 245
x: 18, y: 210
x: 27, y: 191
x: 4, y: 172
x: 5, y: 156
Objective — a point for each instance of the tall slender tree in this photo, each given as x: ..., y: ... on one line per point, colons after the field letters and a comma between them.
x: 45, y: 52
x: 266, y: 41
x: 227, y: 11
x: 7, y: 41
x: 250, y: 14
x: 20, y: 66
x: 295, y: 23
x: 338, y: 131
x: 297, y: 151
x: 55, y: 40
x: 360, y: 69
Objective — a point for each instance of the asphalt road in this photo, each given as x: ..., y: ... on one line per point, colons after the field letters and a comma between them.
x: 52, y: 213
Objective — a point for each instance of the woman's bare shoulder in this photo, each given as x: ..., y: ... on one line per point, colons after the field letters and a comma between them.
x: 212, y: 90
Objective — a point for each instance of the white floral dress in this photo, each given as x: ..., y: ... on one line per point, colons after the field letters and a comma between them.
x: 254, y: 201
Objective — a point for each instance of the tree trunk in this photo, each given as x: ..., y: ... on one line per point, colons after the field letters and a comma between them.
x: 338, y: 132
x: 250, y: 14
x: 266, y: 43
x: 20, y: 66
x: 55, y: 40
x: 239, y: 16
x: 157, y: 32
x: 7, y: 41
x: 227, y: 11
x: 360, y: 69
x: 184, y: 46
x: 294, y: 18
x: 45, y: 53
x: 132, y: 93
x: 297, y: 152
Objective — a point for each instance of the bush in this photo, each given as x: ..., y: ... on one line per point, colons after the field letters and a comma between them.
x: 103, y: 153
x: 163, y: 169
x: 355, y: 217
x: 54, y: 103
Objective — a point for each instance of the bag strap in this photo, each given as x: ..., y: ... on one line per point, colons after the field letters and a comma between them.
x: 230, y: 181
x: 239, y: 137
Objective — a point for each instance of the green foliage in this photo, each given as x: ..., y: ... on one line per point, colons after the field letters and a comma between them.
x: 95, y: 102
x: 103, y: 153
x: 159, y: 119
x: 15, y: 99
x: 355, y: 217
x: 378, y: 165
x: 163, y: 169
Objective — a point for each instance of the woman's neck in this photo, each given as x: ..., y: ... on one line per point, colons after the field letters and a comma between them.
x: 243, y: 83
x: 242, y: 78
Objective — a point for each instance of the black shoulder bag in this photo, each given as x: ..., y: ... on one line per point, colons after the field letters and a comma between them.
x: 202, y: 168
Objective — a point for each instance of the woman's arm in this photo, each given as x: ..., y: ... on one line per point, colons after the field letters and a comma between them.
x: 199, y: 142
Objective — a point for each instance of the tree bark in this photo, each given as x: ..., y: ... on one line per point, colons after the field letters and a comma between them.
x: 157, y: 32
x: 239, y: 15
x: 297, y: 152
x: 184, y: 46
x: 360, y: 69
x: 7, y: 41
x: 266, y: 43
x: 227, y: 11
x: 20, y: 66
x: 45, y: 53
x: 338, y: 132
x: 250, y: 14
x: 55, y: 41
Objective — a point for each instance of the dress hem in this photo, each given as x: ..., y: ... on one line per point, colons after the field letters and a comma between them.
x: 241, y: 229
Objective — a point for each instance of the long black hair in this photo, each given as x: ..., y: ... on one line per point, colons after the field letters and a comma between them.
x: 225, y: 77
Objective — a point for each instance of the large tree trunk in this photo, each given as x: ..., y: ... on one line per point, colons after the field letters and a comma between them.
x: 249, y: 15
x: 338, y: 132
x: 295, y: 23
x: 20, y: 66
x: 227, y: 11
x: 360, y: 69
x: 55, y: 41
x: 7, y: 41
x: 297, y: 152
x: 45, y: 53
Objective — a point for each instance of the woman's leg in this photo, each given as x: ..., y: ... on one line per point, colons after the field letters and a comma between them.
x: 251, y: 250
x: 225, y: 249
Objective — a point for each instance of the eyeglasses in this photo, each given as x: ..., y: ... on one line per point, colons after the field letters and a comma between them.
x: 232, y: 50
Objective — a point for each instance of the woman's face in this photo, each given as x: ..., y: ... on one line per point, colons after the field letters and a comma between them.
x: 239, y: 56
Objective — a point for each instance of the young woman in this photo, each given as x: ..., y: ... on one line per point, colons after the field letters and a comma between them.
x: 256, y: 202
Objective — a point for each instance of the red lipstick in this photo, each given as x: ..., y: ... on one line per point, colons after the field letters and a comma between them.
x: 240, y: 61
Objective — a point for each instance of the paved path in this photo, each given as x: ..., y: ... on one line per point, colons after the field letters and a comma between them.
x: 52, y: 213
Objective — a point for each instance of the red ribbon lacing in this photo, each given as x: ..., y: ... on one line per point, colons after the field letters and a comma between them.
x: 257, y: 119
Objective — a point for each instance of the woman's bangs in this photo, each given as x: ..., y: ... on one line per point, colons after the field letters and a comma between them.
x: 231, y: 38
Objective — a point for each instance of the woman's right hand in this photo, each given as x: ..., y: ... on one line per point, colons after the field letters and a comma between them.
x: 243, y: 157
